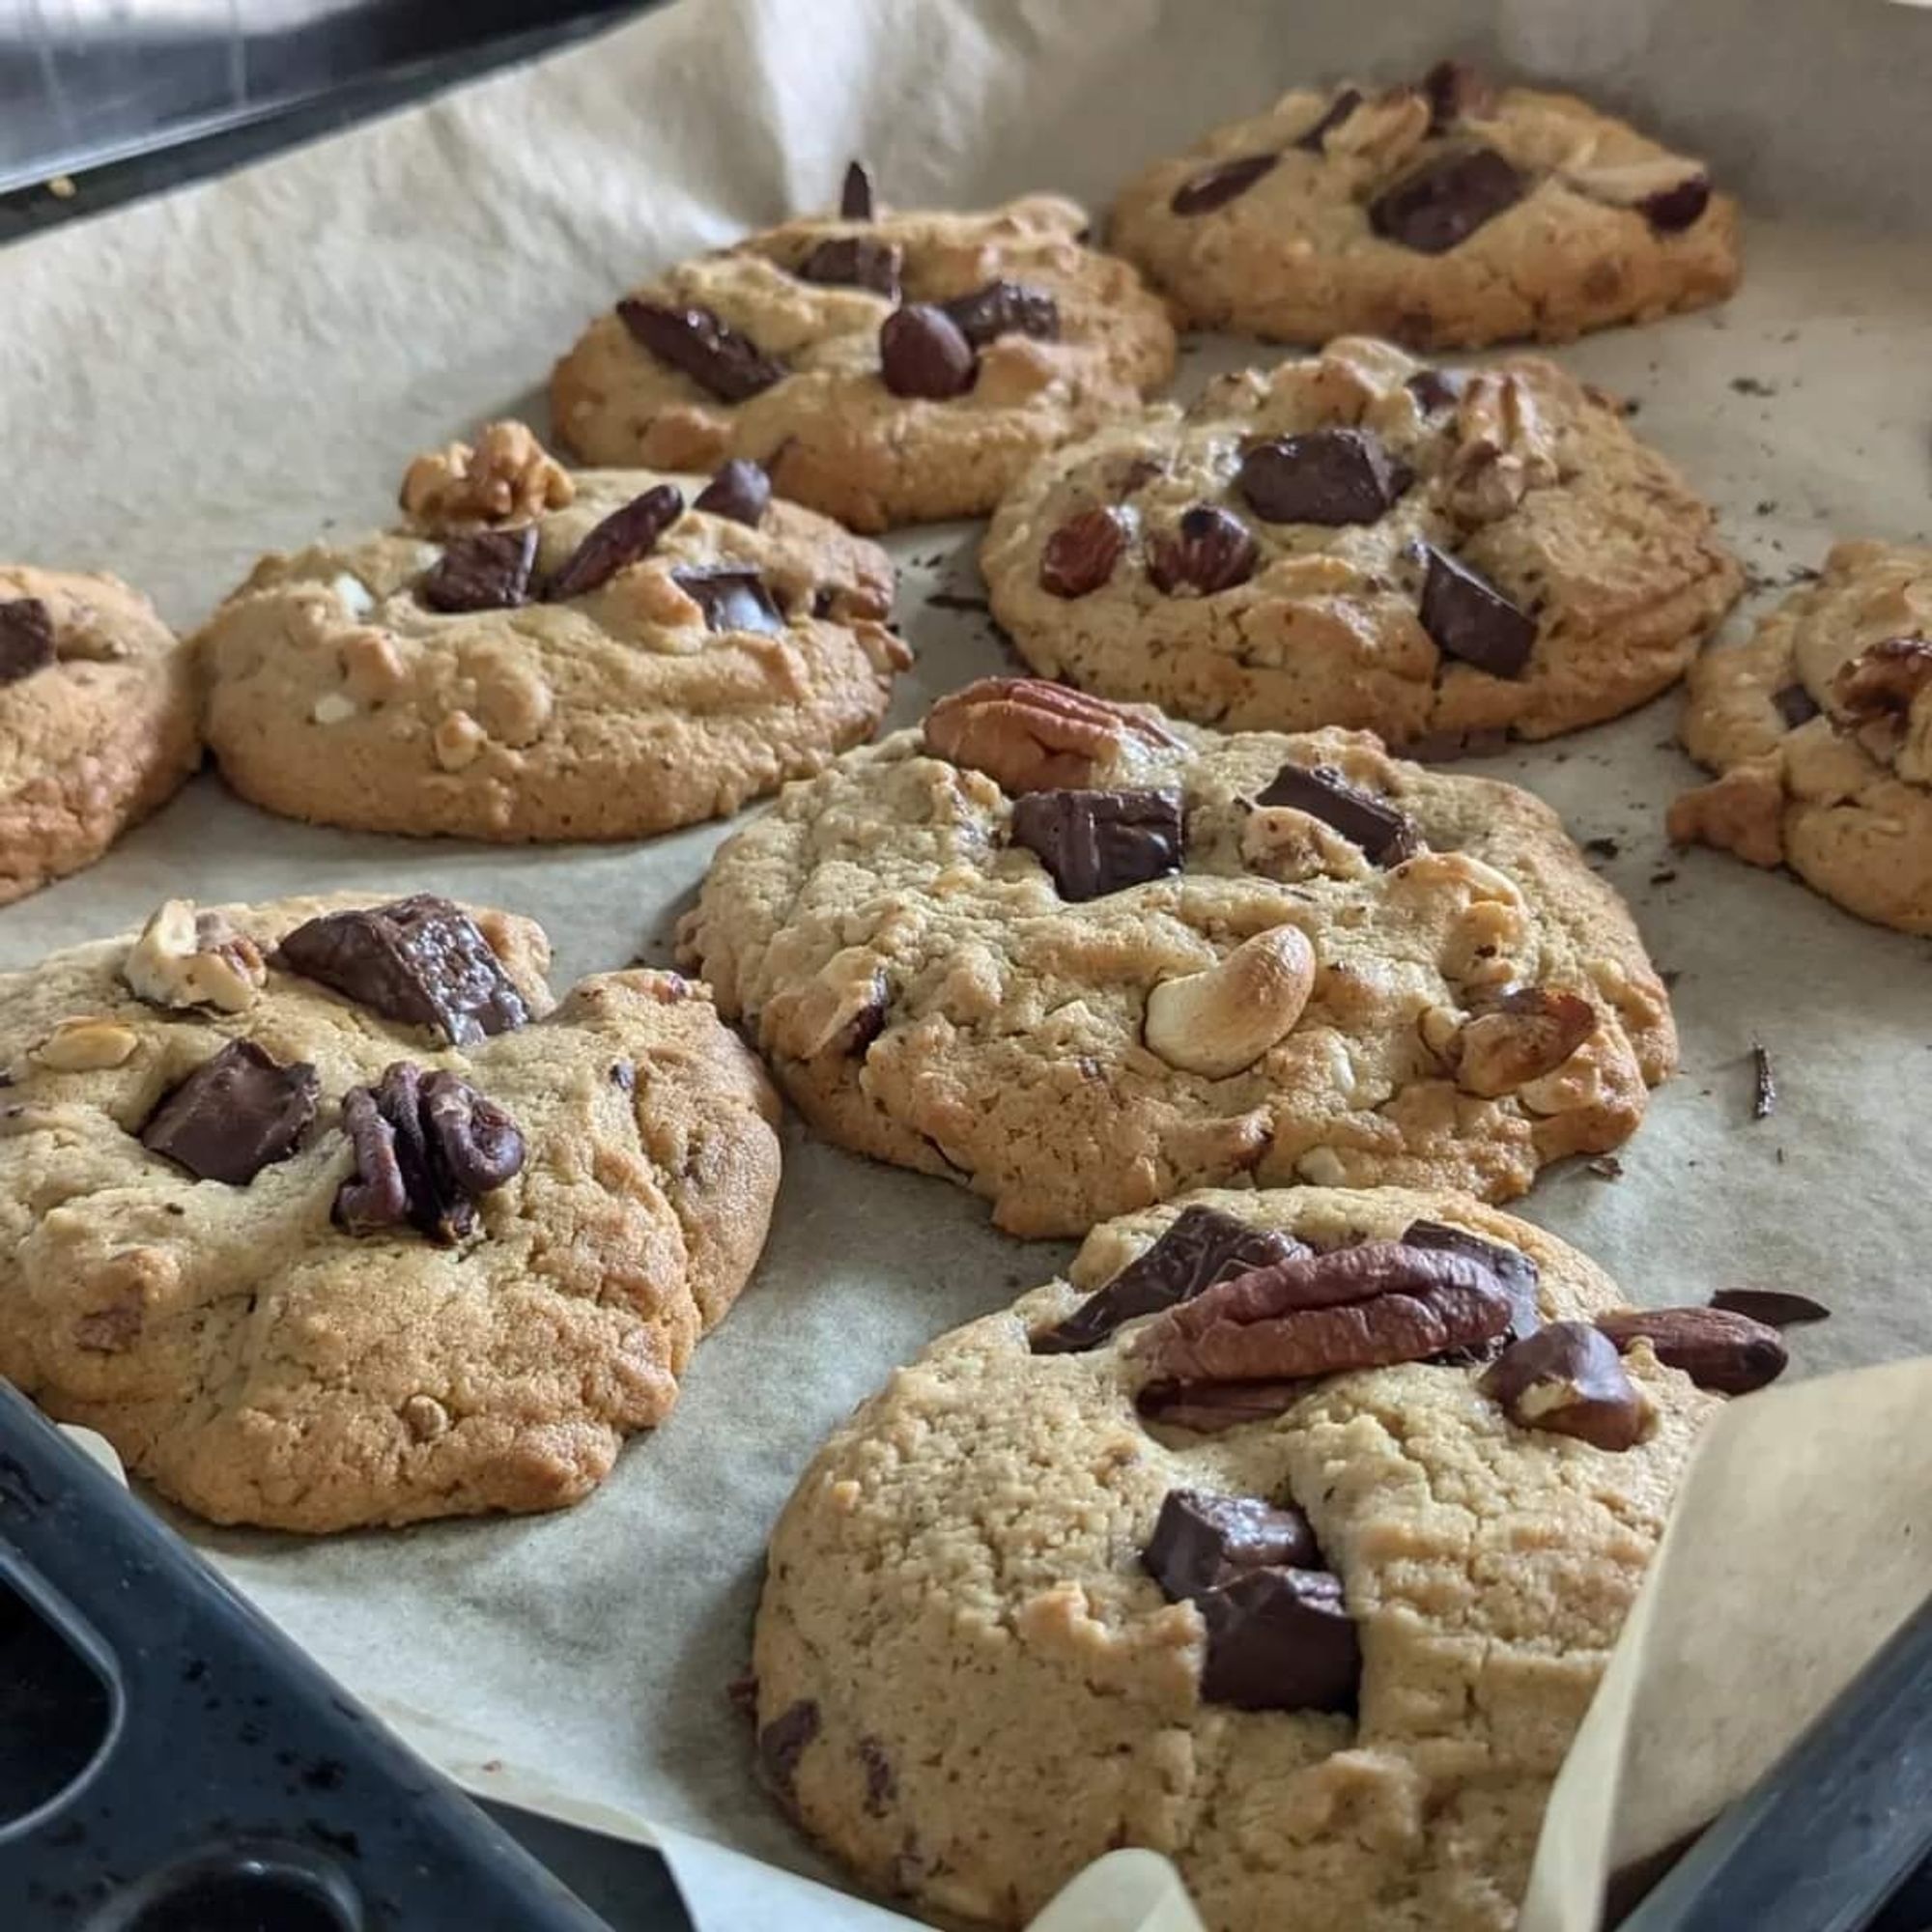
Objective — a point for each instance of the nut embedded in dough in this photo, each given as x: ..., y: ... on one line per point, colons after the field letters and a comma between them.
x: 86, y: 1044
x: 1217, y: 1022
x: 186, y: 959
x: 508, y: 474
x: 1028, y: 735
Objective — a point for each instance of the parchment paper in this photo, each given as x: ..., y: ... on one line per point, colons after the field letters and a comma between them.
x: 187, y: 382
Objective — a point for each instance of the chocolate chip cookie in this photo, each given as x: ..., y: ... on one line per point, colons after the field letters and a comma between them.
x: 1082, y: 958
x: 1357, y: 538
x: 323, y: 1215
x: 1821, y: 729
x: 97, y: 721
x: 1446, y: 214
x: 536, y: 655
x: 1287, y: 1536
x: 887, y: 367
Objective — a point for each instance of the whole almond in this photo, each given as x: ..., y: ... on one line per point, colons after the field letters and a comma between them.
x: 1718, y: 1349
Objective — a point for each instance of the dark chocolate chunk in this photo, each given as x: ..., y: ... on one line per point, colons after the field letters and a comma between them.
x: 1209, y: 552
x: 1386, y: 834
x: 488, y: 571
x: 704, y: 345
x: 1202, y: 1541
x: 741, y: 491
x: 1217, y: 186
x: 1469, y: 617
x: 1437, y: 388
x: 1568, y: 1379
x: 782, y: 1744
x: 1329, y: 476
x: 1671, y: 209
x: 1511, y: 1267
x: 1080, y: 556
x: 1332, y: 116
x: 1776, y: 1308
x: 619, y: 541
x: 26, y: 638
x: 236, y: 1114
x: 855, y: 262
x: 1201, y: 1246
x: 1096, y: 842
x: 1795, y: 704
x: 922, y: 352
x: 1443, y: 202
x: 1717, y: 1348
x: 732, y: 598
x: 421, y: 961
x: 1280, y: 1639
x: 1210, y: 1409
x: 855, y: 193
x: 1005, y: 308
x: 1456, y: 92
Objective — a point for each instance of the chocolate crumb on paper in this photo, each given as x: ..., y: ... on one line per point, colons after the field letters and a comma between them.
x: 951, y: 599
x: 1602, y: 848
x: 1764, y: 1098
x: 1605, y: 1166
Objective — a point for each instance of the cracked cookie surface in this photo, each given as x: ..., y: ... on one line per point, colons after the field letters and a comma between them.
x: 969, y: 1685
x: 1820, y: 728
x: 97, y: 721
x: 824, y: 419
x: 261, y: 1363
x: 1458, y: 1009
x: 1446, y: 215
x: 413, y: 683
x: 1330, y: 481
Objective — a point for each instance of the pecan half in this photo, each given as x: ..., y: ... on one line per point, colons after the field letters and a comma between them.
x: 1526, y: 1033
x: 1028, y: 735
x: 1715, y: 1348
x: 1879, y: 685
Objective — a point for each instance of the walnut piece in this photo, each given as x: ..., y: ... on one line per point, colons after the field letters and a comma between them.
x: 1503, y: 448
x: 185, y: 958
x: 507, y: 476
x: 1879, y: 685
x: 1028, y: 735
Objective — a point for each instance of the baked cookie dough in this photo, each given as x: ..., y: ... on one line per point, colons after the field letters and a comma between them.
x: 1820, y: 728
x: 1323, y: 1640
x: 1357, y: 538
x: 536, y: 655
x: 323, y: 1215
x: 1081, y: 958
x: 888, y: 367
x: 97, y: 721
x: 1447, y: 214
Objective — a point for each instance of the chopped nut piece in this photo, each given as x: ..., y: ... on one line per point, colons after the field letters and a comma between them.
x: 188, y: 959
x: 508, y: 474
x: 85, y: 1044
x: 1569, y: 1379
x: 1218, y: 1022
x: 1529, y: 1033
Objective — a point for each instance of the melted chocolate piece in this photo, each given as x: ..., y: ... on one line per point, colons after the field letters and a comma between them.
x: 782, y: 1744
x: 741, y: 491
x: 1080, y: 556
x: 1386, y: 834
x: 704, y: 345
x: 1671, y: 209
x: 1202, y: 1541
x: 1776, y: 1308
x: 1333, y: 115
x: 420, y: 960
x: 855, y: 193
x: 1217, y: 186
x: 1456, y: 90
x: 1200, y: 1247
x: 1328, y: 477
x: 26, y: 638
x: 1511, y: 1267
x: 922, y: 352
x: 1280, y: 1639
x: 620, y: 540
x: 1469, y: 617
x: 855, y: 262
x: 1096, y: 842
x: 236, y: 1114
x: 1004, y: 308
x: 1795, y: 704
x: 488, y: 571
x: 1435, y: 207
x: 1208, y: 551
x: 732, y: 599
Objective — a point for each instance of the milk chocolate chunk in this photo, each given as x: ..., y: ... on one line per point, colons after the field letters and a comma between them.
x: 488, y: 571
x: 26, y: 638
x: 1080, y: 556
x: 623, y: 539
x: 1004, y: 308
x: 1386, y: 834
x: 1096, y: 842
x: 1435, y: 207
x: 1280, y: 1639
x: 1795, y: 704
x: 1202, y: 1541
x: 1200, y: 1246
x: 732, y: 598
x: 1328, y: 477
x: 1217, y: 186
x: 421, y: 961
x: 1718, y: 1349
x: 1338, y: 110
x: 1511, y: 1267
x: 856, y: 262
x: 1467, y: 617
x: 1208, y: 551
x: 741, y: 491
x: 236, y: 1114
x: 1569, y: 1379
x: 702, y: 345
x: 1456, y: 92
x: 922, y: 352
x: 855, y: 193
x: 1776, y: 1308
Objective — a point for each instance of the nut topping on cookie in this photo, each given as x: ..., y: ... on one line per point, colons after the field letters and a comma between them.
x: 1386, y: 836
x: 1670, y: 193
x: 1080, y: 556
x: 489, y: 571
x: 1028, y: 735
x: 1467, y: 617
x: 741, y: 491
x: 236, y: 1114
x: 700, y: 344
x: 1568, y: 1379
x: 1329, y: 476
x: 1220, y: 1022
x: 1880, y: 684
x: 1443, y: 202
x: 1215, y: 186
x: 619, y: 541
x: 422, y: 960
x: 1209, y: 552
x: 855, y: 262
x: 1200, y: 1247
x: 732, y: 599
x: 87, y: 1043
x: 507, y: 475
x: 1526, y: 1034
x: 922, y: 352
x: 1717, y: 1348
x: 26, y: 638
x: 1511, y: 1267
x: 1097, y: 842
x: 428, y: 1146
x: 1004, y: 308
x: 856, y: 201
x: 185, y: 958
x: 1202, y: 1541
